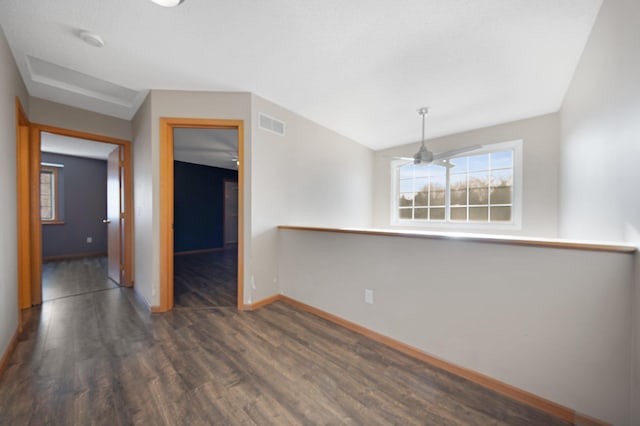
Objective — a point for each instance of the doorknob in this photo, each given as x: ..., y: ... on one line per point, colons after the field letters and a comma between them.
x: 106, y: 221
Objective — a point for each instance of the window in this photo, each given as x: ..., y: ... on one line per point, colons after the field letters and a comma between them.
x: 49, y: 194
x: 482, y: 188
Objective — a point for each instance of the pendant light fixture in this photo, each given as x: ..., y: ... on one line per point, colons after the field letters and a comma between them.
x: 423, y: 155
x: 426, y: 157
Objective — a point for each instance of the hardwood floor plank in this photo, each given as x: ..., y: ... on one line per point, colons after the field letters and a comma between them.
x: 64, y: 278
x: 102, y: 358
x: 206, y: 279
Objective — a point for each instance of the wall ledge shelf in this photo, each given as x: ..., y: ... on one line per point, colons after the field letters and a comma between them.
x: 479, y: 238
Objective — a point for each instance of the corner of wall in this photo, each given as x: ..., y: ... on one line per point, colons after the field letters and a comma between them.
x: 11, y: 86
x: 634, y: 398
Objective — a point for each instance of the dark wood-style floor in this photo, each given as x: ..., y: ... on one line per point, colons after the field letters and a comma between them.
x: 65, y: 278
x: 102, y: 358
x: 206, y: 279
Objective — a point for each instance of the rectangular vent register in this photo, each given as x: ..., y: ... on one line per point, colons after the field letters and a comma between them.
x: 271, y: 124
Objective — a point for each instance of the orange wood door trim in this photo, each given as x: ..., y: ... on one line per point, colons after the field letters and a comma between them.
x: 35, y: 224
x: 167, y: 124
x: 33, y: 195
x: 23, y: 201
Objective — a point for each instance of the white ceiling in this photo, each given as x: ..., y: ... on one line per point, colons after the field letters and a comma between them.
x: 57, y: 144
x: 359, y: 67
x: 209, y: 147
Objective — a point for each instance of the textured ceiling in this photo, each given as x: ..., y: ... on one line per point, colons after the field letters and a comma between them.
x: 209, y: 147
x: 359, y: 67
x: 58, y: 144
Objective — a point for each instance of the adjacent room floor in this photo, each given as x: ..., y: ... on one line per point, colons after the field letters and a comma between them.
x: 72, y: 277
x: 206, y: 280
x: 102, y: 358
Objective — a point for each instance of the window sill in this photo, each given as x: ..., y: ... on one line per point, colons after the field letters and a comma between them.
x: 480, y: 238
x: 52, y: 222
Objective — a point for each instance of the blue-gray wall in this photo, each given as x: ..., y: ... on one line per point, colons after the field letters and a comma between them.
x: 83, y: 205
x: 199, y: 206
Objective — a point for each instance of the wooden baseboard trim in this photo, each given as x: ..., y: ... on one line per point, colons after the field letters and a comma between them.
x: 73, y: 256
x: 542, y: 404
x: 7, y: 354
x: 209, y: 250
x: 156, y: 309
x: 584, y: 420
x: 261, y: 303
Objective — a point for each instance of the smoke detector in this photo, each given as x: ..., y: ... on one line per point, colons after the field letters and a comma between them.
x: 90, y: 38
x: 167, y: 3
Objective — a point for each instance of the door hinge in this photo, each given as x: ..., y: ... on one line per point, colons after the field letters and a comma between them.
x: 122, y: 267
x: 122, y: 215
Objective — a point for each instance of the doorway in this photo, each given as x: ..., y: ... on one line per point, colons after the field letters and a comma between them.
x: 29, y: 200
x: 205, y: 269
x: 168, y: 126
x: 80, y: 206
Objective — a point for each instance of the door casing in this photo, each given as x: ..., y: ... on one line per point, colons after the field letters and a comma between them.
x: 167, y: 124
x: 30, y: 233
x: 23, y: 209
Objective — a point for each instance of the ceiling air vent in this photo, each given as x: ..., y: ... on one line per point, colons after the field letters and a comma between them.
x: 271, y: 124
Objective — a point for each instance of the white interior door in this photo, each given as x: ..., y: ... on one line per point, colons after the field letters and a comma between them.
x: 113, y: 220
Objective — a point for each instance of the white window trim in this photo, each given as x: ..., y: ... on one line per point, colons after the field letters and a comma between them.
x: 53, y: 184
x: 514, y: 225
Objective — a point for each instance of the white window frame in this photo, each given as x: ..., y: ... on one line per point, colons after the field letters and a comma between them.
x: 53, y: 193
x: 516, y: 213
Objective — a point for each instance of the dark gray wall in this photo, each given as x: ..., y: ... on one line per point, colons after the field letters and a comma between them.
x: 199, y: 206
x: 82, y: 207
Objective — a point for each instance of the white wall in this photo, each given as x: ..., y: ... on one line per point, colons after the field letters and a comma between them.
x: 143, y: 201
x: 541, y: 140
x: 166, y: 103
x: 554, y: 322
x: 601, y: 131
x: 601, y: 145
x: 53, y: 114
x: 311, y: 176
x: 11, y: 85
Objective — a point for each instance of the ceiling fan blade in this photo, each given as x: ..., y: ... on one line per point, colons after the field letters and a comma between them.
x: 452, y: 153
x: 396, y: 157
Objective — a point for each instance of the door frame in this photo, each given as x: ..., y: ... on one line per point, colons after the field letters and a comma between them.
x: 23, y: 208
x: 30, y: 194
x: 167, y: 124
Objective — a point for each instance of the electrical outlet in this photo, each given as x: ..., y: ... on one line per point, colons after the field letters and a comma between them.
x: 89, y: 240
x: 368, y: 296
